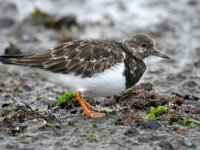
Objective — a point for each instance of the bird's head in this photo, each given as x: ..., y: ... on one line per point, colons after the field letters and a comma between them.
x: 142, y: 46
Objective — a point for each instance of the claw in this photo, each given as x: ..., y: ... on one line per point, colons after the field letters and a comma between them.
x: 94, y: 115
x: 87, y: 108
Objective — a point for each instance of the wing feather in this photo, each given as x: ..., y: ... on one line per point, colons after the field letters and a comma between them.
x: 81, y: 57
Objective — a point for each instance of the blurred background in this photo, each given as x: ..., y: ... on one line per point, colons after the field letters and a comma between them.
x: 29, y: 115
x: 34, y: 25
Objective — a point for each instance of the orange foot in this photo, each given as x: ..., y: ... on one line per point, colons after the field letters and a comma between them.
x: 87, y: 108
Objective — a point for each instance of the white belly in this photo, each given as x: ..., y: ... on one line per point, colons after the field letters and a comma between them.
x: 104, y: 84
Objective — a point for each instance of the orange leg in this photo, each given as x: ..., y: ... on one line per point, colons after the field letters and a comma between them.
x: 87, y: 107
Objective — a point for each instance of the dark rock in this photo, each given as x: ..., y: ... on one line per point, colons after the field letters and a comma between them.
x: 6, y: 22
x: 151, y: 124
x: 150, y: 138
x: 12, y: 50
x: 6, y: 105
x: 131, y: 132
x: 192, y: 2
x: 189, y: 84
x: 166, y: 145
x: 66, y: 21
x: 197, y: 64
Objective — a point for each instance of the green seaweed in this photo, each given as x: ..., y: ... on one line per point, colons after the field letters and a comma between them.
x: 67, y: 97
x: 156, y: 112
x: 92, y: 136
x: 48, y: 124
x: 104, y: 111
x: 38, y: 98
x: 94, y: 125
x: 107, y: 110
x: 188, y: 122
x: 8, y: 73
x: 128, y: 91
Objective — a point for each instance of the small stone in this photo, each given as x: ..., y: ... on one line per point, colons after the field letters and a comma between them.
x: 166, y: 145
x: 35, y: 120
x: 190, y: 84
x: 192, y: 2
x: 152, y: 124
x: 197, y: 64
x: 186, y: 142
x: 180, y: 132
x: 131, y: 132
x: 12, y: 50
x: 66, y: 21
x: 6, y: 22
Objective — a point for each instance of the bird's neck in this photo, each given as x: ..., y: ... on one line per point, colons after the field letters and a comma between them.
x: 134, y: 69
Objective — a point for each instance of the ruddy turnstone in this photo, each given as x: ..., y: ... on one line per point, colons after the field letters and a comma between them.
x: 93, y: 67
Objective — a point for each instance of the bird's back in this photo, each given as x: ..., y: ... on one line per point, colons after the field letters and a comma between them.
x: 81, y: 57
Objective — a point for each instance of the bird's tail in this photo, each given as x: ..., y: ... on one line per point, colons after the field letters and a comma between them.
x: 9, y: 59
x: 33, y: 60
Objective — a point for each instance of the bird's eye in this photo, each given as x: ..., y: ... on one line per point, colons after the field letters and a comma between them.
x: 144, y: 45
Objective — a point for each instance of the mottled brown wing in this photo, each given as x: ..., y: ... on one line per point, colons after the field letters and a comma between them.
x: 81, y: 57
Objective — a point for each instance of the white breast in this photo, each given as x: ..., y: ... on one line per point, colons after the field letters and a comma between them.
x: 108, y: 83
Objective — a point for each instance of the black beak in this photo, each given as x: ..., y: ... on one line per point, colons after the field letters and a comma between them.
x: 159, y: 54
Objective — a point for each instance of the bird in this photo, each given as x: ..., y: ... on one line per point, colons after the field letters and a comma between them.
x: 93, y: 67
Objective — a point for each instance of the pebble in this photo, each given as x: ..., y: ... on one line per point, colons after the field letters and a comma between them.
x: 131, y: 132
x: 152, y: 124
x: 166, y: 145
x: 6, y: 22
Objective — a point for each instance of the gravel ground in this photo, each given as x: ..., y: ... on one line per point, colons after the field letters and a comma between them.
x: 29, y: 116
